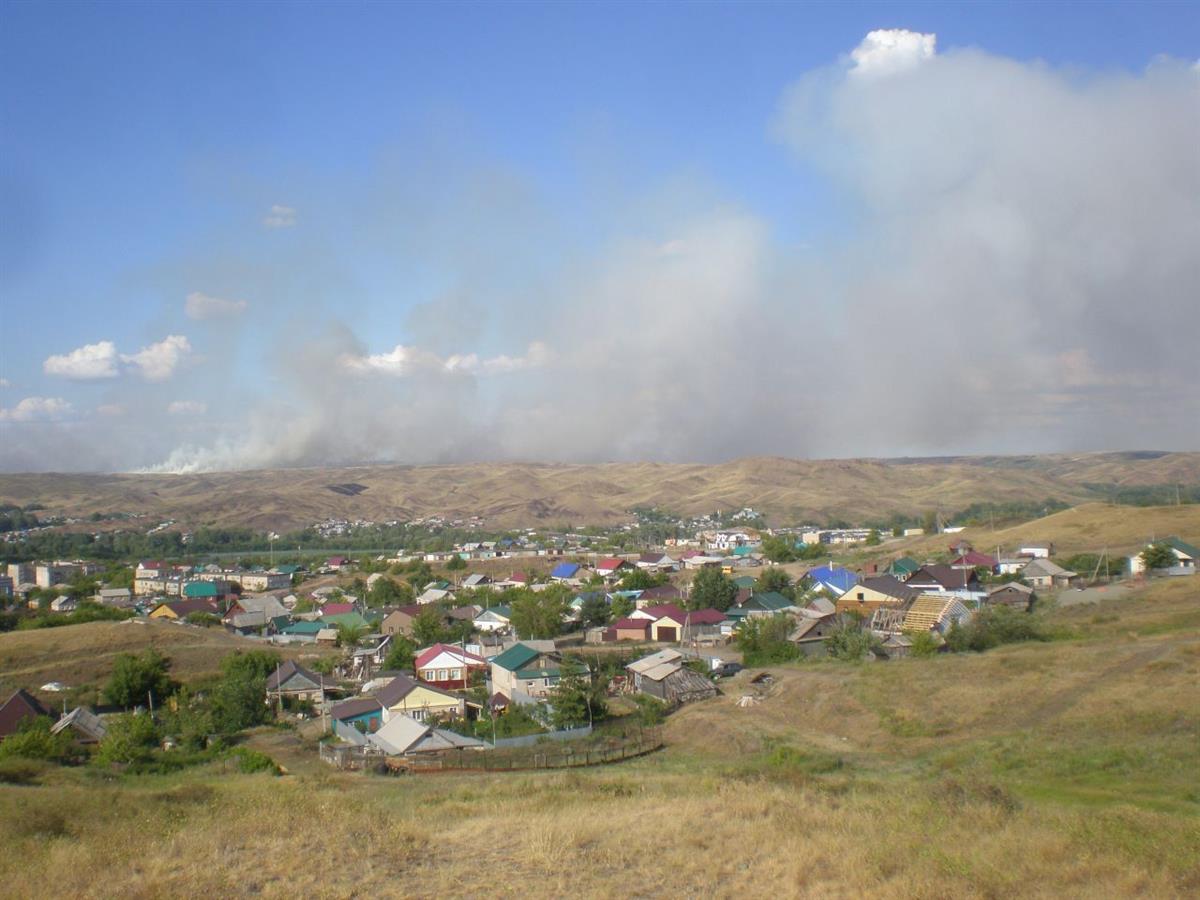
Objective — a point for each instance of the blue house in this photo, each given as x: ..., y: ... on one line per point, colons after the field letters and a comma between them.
x: 365, y: 714
x: 563, y: 571
x: 833, y: 579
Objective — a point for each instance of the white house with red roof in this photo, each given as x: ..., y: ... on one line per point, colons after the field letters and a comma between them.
x: 447, y: 667
x: 611, y: 565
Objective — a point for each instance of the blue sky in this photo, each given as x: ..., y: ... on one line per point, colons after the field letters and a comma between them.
x: 485, y: 151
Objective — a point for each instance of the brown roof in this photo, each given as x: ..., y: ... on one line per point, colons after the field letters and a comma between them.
x: 893, y: 587
x: 947, y: 576
x: 20, y: 706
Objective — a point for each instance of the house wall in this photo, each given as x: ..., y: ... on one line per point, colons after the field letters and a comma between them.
x: 871, y: 600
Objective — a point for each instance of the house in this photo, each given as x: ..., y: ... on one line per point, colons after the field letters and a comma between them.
x: 494, y: 618
x: 662, y: 593
x: 897, y: 646
x: 871, y: 593
x: 406, y: 736
x: 973, y: 559
x: 961, y: 546
x: 564, y: 571
x: 477, y: 580
x: 181, y: 609
x: 448, y: 667
x: 299, y: 632
x: 631, y: 629
x: 19, y: 707
x: 1036, y: 551
x: 666, y: 676
x: 703, y: 624
x: 399, y: 621
x: 363, y: 713
x: 832, y: 580
x: 209, y: 589
x: 114, y: 596
x: 943, y: 579
x: 432, y: 595
x: 935, y: 612
x: 1014, y: 594
x: 1186, y: 557
x: 666, y: 621
x: 407, y: 696
x: 811, y: 632
x: 338, y: 608
x: 291, y: 680
x: 64, y: 604
x: 761, y: 605
x: 1042, y: 573
x: 903, y: 567
x: 611, y: 566
x: 530, y: 668
x: 85, y: 726
x: 337, y: 563
x: 655, y: 562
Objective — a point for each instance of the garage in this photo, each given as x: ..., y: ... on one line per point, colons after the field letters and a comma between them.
x: 667, y: 633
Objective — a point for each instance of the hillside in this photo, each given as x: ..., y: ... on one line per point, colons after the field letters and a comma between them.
x: 787, y: 491
x: 1043, y: 770
x: 1088, y: 528
x: 79, y: 655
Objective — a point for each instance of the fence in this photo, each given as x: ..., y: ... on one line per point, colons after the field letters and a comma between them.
x: 529, y: 740
x: 563, y: 755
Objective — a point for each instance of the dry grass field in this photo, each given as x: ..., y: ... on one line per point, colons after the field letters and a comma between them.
x: 1041, y: 770
x: 520, y: 494
x: 80, y: 655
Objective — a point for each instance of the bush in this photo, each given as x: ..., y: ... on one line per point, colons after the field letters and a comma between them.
x: 997, y: 625
x: 851, y: 644
x: 33, y: 740
x: 130, y: 738
x: 136, y: 678
x: 20, y: 770
x: 651, y: 711
x: 924, y: 644
x: 251, y: 761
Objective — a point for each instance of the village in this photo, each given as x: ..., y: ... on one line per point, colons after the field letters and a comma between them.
x: 408, y: 661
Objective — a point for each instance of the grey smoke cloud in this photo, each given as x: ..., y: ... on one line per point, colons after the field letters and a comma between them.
x: 1021, y: 276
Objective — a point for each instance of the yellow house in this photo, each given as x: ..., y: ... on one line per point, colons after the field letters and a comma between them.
x: 407, y: 696
x: 872, y: 593
x: 181, y: 609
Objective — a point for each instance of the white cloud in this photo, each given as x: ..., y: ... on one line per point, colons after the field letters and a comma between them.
x: 36, y: 409
x: 280, y: 217
x: 890, y: 50
x: 187, y: 408
x: 158, y: 362
x: 110, y: 409
x: 90, y: 362
x: 402, y: 361
x: 4, y: 382
x: 202, y: 306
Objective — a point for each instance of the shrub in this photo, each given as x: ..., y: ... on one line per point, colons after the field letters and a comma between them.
x: 130, y: 738
x: 997, y: 625
x: 651, y: 711
x: 851, y: 644
x: 251, y: 761
x: 33, y: 740
x: 924, y: 644
x: 20, y: 770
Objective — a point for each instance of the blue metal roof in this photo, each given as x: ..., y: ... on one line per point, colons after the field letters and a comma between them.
x: 564, y: 570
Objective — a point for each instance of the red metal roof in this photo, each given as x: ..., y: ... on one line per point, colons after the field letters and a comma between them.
x: 430, y: 654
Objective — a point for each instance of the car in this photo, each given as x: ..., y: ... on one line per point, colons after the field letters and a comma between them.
x: 727, y: 670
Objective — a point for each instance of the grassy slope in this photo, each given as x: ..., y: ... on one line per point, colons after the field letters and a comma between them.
x: 1044, y: 770
x: 83, y: 654
x: 1087, y: 528
x: 512, y: 494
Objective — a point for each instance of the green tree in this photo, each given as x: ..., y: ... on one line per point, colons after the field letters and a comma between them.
x: 640, y: 580
x: 779, y: 548
x: 622, y: 607
x: 135, y: 678
x: 924, y: 644
x: 387, y: 592
x: 428, y: 626
x: 350, y: 635
x: 595, y: 611
x: 775, y: 580
x: 711, y: 589
x: 128, y: 738
x: 250, y: 665
x: 873, y: 539
x: 538, y: 615
x: 764, y: 640
x: 401, y: 653
x: 1158, y: 556
x: 851, y: 644
x: 577, y: 699
x: 455, y: 563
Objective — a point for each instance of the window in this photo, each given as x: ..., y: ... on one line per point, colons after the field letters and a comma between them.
x: 861, y: 596
x: 456, y: 674
x: 441, y: 675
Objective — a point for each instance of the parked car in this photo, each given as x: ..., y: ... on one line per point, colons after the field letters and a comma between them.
x: 726, y: 670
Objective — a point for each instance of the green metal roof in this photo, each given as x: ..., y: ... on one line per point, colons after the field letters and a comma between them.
x: 769, y: 600
x: 905, y: 565
x: 200, y: 589
x: 349, y: 620
x: 302, y: 628
x: 537, y: 673
x: 516, y: 657
x: 744, y: 581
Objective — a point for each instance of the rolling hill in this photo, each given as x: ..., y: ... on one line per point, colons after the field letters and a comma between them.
x: 527, y: 494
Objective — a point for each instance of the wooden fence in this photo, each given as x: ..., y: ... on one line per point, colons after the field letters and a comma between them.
x: 559, y: 755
